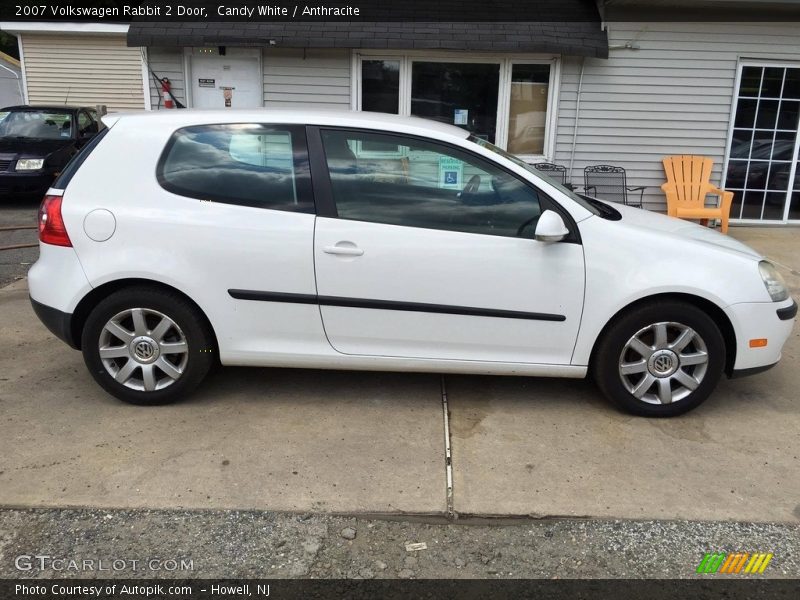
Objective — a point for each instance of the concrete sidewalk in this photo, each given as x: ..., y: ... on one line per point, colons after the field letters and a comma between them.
x: 552, y: 447
x: 282, y: 439
x: 356, y: 442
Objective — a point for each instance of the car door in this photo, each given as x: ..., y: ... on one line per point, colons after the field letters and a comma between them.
x: 428, y: 252
x: 237, y: 205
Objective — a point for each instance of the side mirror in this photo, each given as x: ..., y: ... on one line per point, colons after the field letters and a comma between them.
x: 550, y: 228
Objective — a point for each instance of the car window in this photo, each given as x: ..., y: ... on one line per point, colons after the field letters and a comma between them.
x: 84, y: 121
x: 528, y: 167
x: 35, y: 124
x: 426, y: 184
x: 244, y: 164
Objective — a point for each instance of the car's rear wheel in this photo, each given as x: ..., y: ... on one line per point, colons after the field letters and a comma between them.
x: 147, y: 346
x: 660, y: 360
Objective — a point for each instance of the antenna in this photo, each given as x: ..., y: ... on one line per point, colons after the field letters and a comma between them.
x: 69, y: 89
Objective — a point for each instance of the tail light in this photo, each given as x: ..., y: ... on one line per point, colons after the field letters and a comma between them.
x: 51, y: 223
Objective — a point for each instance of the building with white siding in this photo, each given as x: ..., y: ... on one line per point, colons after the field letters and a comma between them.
x: 623, y: 86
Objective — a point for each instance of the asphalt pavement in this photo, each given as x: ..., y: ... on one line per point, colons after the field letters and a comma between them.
x: 14, y: 263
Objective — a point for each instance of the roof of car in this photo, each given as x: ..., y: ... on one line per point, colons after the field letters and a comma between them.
x: 346, y: 118
x: 53, y: 107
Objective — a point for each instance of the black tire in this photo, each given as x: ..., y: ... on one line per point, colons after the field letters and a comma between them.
x: 195, y: 361
x: 605, y: 368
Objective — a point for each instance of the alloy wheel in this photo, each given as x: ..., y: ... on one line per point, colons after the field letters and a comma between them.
x: 143, y: 349
x: 663, y: 363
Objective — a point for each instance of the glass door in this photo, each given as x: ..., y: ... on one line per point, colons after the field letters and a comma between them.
x: 762, y: 166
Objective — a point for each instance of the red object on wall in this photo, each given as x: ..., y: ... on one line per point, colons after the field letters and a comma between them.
x: 165, y: 89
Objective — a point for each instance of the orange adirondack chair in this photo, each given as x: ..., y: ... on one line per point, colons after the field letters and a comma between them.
x: 687, y: 187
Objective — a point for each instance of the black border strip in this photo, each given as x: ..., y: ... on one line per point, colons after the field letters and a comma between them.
x: 391, y: 305
x: 790, y: 312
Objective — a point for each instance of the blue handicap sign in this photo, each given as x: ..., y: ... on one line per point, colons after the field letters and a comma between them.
x: 451, y: 177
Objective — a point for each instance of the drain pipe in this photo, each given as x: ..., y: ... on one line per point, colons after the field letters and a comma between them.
x: 577, y: 117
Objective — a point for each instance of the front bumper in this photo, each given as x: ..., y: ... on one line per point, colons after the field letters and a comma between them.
x: 787, y: 313
x: 25, y: 184
x: 772, y: 321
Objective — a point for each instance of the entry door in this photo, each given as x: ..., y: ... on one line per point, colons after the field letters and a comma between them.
x: 432, y: 256
x: 233, y: 80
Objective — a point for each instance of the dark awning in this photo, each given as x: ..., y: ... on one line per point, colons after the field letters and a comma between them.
x: 582, y: 38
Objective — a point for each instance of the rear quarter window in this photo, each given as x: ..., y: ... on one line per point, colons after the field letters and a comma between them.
x: 263, y: 166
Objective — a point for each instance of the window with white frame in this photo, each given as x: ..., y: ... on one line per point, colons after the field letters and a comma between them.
x: 509, y: 101
x: 762, y: 160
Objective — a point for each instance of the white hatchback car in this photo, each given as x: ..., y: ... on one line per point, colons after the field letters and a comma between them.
x: 352, y: 240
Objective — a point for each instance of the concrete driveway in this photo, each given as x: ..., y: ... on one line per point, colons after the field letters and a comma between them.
x: 359, y: 442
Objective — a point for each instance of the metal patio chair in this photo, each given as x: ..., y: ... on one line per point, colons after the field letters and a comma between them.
x: 553, y: 171
x: 608, y: 182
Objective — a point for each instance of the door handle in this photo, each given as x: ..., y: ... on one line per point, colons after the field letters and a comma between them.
x: 343, y: 250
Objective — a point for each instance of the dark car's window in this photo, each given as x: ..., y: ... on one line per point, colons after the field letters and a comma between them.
x: 34, y: 124
x: 245, y: 164
x: 419, y: 183
x: 85, y: 123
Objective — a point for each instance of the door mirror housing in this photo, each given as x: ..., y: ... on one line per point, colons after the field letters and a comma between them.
x: 550, y: 228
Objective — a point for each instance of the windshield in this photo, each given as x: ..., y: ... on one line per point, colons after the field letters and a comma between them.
x: 34, y: 124
x: 517, y: 161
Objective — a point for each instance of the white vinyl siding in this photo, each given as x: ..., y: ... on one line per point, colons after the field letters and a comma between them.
x: 169, y: 63
x: 311, y: 78
x: 83, y: 70
x: 672, y: 95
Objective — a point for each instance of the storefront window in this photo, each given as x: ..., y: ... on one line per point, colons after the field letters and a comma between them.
x: 505, y: 101
x: 527, y: 118
x: 380, y: 86
x: 462, y: 94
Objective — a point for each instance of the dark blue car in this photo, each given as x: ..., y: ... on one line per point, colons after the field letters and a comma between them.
x: 36, y: 142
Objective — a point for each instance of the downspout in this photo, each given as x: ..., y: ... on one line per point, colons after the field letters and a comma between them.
x: 577, y: 117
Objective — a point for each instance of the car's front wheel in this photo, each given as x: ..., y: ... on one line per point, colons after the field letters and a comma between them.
x: 147, y: 346
x: 660, y: 360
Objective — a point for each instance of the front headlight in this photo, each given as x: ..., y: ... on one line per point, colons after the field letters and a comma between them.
x: 30, y: 164
x: 776, y: 286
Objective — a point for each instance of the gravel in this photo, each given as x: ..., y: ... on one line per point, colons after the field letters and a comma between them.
x: 252, y: 544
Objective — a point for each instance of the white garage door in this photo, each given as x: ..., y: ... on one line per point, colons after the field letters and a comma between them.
x: 233, y: 80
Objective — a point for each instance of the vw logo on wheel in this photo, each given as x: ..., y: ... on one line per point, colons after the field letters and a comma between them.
x: 663, y: 364
x: 144, y: 349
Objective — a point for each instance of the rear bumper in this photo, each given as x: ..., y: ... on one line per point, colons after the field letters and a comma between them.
x: 59, y: 323
x: 25, y: 184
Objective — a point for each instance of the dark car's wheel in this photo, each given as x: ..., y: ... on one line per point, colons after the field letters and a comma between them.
x: 147, y: 346
x: 660, y: 360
